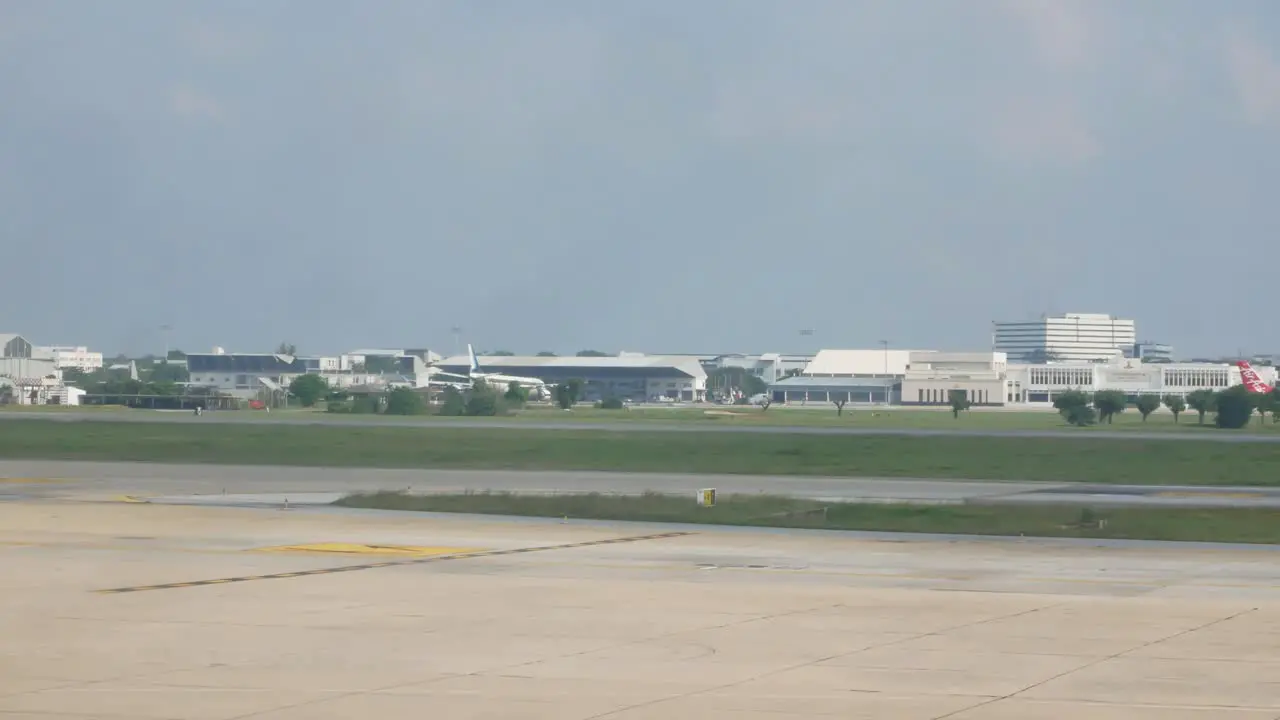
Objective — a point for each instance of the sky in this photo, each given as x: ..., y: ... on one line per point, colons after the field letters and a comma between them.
x: 638, y: 175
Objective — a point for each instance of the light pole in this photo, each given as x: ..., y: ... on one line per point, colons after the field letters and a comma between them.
x: 885, y: 345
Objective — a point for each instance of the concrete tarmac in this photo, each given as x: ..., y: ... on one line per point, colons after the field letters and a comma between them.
x: 122, y: 610
x: 269, y: 485
x: 497, y: 424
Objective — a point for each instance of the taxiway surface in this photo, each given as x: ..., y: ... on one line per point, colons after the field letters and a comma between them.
x: 117, y: 610
x: 270, y: 484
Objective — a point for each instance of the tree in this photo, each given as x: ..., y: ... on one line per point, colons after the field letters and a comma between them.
x: 286, y: 348
x: 592, y: 353
x: 515, y: 394
x: 170, y: 373
x: 1275, y: 405
x: 612, y: 403
x: 1176, y: 404
x: 546, y: 353
x: 1068, y: 399
x: 403, y: 401
x: 1109, y: 403
x: 308, y: 389
x: 1080, y: 415
x: 1264, y: 403
x: 568, y: 393
x: 1147, y: 404
x: 735, y: 378
x: 453, y: 403
x: 839, y: 398
x: 1202, y: 401
x: 959, y: 400
x: 500, y: 353
x: 1040, y: 357
x: 482, y: 400
x: 1235, y: 408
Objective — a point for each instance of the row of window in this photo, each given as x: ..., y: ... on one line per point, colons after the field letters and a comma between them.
x: 939, y: 396
x: 1061, y: 376
x: 1196, y: 378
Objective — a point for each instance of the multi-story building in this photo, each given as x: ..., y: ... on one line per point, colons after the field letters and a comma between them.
x: 1073, y: 337
x: 66, y: 357
x: 1151, y: 352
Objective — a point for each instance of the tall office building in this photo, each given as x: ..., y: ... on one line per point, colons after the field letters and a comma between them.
x: 1078, y: 337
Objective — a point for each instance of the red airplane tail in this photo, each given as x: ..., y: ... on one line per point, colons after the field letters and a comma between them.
x: 1252, y: 381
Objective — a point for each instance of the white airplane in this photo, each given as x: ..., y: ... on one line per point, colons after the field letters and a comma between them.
x: 441, y: 379
x: 537, y: 387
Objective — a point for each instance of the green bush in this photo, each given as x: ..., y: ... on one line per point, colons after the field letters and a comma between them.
x: 403, y: 401
x: 611, y: 403
x: 1235, y: 408
x: 1080, y: 415
x: 453, y: 404
x: 484, y: 404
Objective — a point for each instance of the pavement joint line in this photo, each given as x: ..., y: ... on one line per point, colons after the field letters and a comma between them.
x: 390, y: 563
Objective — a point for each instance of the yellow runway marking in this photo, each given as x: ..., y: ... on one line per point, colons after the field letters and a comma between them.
x: 131, y: 499
x: 362, y: 549
x: 30, y: 481
x: 392, y: 563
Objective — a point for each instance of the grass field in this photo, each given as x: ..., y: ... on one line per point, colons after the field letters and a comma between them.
x: 817, y: 416
x: 1214, y: 525
x: 1088, y: 459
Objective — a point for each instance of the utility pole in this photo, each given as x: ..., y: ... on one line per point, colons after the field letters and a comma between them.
x: 164, y: 330
x: 885, y: 344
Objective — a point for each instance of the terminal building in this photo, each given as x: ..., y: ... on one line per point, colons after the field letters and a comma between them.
x: 988, y: 379
x: 631, y: 376
x: 854, y: 376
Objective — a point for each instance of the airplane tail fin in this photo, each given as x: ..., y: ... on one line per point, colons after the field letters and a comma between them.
x: 475, y: 364
x: 1252, y: 381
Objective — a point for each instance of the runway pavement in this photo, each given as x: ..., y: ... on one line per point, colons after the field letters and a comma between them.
x: 270, y: 485
x: 495, y: 424
x: 118, y: 610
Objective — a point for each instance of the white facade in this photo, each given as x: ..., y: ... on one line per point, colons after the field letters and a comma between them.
x: 22, y: 368
x: 1039, y: 384
x: 67, y: 357
x: 988, y: 378
x: 931, y: 377
x: 859, y: 363
x: 1079, y: 337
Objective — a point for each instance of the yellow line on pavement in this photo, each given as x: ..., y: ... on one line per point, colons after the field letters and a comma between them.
x: 392, y: 563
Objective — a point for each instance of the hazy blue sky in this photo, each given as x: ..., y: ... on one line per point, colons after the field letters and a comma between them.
x: 641, y: 175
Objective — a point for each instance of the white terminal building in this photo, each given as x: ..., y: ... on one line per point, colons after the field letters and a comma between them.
x: 990, y: 379
x: 927, y: 378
